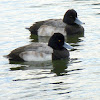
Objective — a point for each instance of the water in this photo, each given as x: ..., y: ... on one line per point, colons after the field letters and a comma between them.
x: 77, y: 79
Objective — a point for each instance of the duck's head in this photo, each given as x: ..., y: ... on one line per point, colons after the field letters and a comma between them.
x: 57, y: 42
x: 71, y: 18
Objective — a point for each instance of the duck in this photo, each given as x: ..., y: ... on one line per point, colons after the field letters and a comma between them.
x: 55, y: 49
x: 69, y: 25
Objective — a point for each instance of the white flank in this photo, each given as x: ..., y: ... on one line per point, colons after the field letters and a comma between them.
x: 35, y: 56
x: 46, y: 30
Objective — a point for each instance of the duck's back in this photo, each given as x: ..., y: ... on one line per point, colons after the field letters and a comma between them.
x: 54, y: 23
x: 32, y: 52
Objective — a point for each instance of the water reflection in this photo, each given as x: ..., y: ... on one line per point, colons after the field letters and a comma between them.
x: 69, y: 38
x: 74, y: 38
x: 96, y: 4
x: 58, y: 66
x: 31, y: 65
x: 34, y: 38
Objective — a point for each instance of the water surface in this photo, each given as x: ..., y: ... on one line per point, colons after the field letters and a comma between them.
x: 77, y: 79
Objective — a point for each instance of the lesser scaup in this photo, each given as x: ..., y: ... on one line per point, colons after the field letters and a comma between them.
x: 70, y: 24
x: 55, y: 49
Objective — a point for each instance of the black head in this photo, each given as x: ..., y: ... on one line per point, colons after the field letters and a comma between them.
x: 70, y: 17
x: 56, y: 41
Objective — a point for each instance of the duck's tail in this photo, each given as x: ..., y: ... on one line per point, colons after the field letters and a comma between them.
x: 7, y: 56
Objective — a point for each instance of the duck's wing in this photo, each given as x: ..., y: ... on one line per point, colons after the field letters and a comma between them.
x: 32, y: 52
x: 58, y: 23
x: 52, y: 26
x: 39, y: 53
x: 39, y: 47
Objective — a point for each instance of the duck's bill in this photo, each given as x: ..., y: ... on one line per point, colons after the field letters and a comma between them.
x: 77, y: 21
x: 67, y: 46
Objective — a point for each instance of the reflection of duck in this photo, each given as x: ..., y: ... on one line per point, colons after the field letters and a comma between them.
x: 59, y: 66
x: 44, y: 39
x: 56, y: 49
x: 56, y: 66
x: 34, y: 38
x: 70, y: 25
x: 31, y: 65
x: 74, y: 38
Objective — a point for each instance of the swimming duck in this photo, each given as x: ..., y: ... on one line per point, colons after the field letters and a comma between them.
x: 70, y: 24
x: 55, y: 49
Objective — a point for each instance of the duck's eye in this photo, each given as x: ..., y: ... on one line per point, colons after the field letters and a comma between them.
x: 59, y: 40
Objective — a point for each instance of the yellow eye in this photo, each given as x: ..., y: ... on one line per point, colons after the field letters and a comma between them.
x: 59, y: 40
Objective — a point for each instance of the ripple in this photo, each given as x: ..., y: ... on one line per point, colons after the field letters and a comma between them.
x: 96, y: 4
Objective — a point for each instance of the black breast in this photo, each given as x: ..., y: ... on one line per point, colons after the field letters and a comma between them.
x: 60, y: 54
x: 74, y: 29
